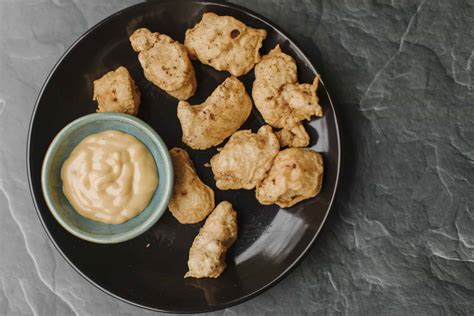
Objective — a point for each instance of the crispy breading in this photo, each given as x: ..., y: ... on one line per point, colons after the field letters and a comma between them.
x: 296, y: 175
x: 223, y: 112
x: 116, y: 92
x: 293, y: 137
x: 207, y: 253
x: 165, y: 62
x: 191, y: 200
x: 281, y: 100
x: 225, y: 43
x: 245, y: 159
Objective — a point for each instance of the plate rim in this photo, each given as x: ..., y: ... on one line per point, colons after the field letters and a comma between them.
x: 288, y: 269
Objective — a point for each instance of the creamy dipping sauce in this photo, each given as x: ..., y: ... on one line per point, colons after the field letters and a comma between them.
x: 109, y: 177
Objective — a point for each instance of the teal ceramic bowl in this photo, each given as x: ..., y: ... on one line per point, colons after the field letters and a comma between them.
x: 61, y: 148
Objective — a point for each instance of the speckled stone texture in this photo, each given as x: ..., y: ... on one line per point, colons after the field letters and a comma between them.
x: 400, y: 239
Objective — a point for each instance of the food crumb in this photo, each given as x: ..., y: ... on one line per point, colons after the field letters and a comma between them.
x: 147, y: 245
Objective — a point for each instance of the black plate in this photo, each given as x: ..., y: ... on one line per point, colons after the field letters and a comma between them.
x: 148, y: 270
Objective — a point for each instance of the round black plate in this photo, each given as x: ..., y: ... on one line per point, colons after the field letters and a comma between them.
x: 148, y: 270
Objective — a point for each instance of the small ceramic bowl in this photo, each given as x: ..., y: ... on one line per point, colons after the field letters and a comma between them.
x: 61, y: 148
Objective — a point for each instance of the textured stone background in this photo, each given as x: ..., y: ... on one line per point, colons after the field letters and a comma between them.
x: 400, y: 239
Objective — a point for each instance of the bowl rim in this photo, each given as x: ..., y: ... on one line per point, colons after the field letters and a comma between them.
x: 166, y: 180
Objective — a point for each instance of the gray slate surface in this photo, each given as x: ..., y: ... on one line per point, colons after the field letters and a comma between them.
x: 400, y: 239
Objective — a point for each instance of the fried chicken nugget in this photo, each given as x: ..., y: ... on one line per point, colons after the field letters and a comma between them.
x: 281, y: 100
x: 223, y: 112
x: 165, y: 62
x: 296, y: 175
x: 207, y: 254
x: 116, y: 92
x: 191, y: 200
x: 245, y: 159
x: 225, y: 43
x: 293, y: 137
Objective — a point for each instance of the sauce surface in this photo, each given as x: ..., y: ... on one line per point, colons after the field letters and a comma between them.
x: 109, y: 177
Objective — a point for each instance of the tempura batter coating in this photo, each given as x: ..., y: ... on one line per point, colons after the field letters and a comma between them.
x: 116, y: 92
x: 207, y: 254
x: 293, y: 137
x: 223, y: 112
x: 245, y: 159
x: 296, y: 175
x: 191, y: 200
x: 165, y: 62
x: 278, y: 96
x: 225, y: 43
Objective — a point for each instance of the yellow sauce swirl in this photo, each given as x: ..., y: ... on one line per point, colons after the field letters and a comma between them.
x: 109, y: 177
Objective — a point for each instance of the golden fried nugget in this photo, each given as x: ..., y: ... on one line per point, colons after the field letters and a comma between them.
x: 276, y: 69
x: 278, y: 96
x: 207, y: 254
x: 116, y: 92
x: 245, y: 159
x: 225, y: 43
x: 223, y: 112
x: 293, y: 137
x: 296, y: 175
x: 165, y: 62
x: 191, y: 200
